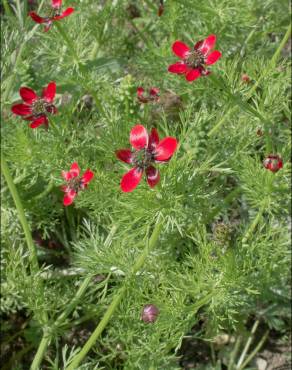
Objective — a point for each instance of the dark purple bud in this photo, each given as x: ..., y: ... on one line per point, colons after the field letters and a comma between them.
x: 149, y: 313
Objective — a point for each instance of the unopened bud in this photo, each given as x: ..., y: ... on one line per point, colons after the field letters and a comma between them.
x: 149, y: 313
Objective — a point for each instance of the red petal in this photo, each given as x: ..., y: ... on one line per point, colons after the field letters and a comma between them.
x: 140, y: 91
x: 56, y: 3
x: 193, y: 74
x: 51, y: 109
x: 213, y: 57
x: 153, y: 176
x: 131, y: 179
x: 49, y: 92
x: 39, y: 121
x: 125, y: 155
x: 74, y: 169
x: 165, y: 149
x: 69, y: 197
x: 180, y: 49
x: 154, y: 91
x: 87, y: 177
x: 21, y: 109
x: 198, y: 44
x: 65, y: 13
x: 37, y: 18
x: 139, y: 137
x: 27, y: 94
x: 153, y: 139
x: 179, y: 67
x: 66, y: 175
x: 208, y: 44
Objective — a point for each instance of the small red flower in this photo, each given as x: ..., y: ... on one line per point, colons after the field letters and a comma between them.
x: 193, y: 62
x: 245, y: 78
x: 54, y: 14
x: 152, y: 96
x: 35, y: 108
x: 273, y: 162
x: 148, y: 149
x: 75, y: 183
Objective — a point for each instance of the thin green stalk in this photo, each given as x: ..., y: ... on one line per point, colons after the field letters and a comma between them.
x: 252, y: 90
x: 34, y: 265
x: 7, y: 9
x: 254, y: 224
x: 41, y: 351
x: 48, y: 334
x: 68, y: 41
x: 234, y: 353
x: 247, y: 345
x: 116, y: 301
x: 255, y: 351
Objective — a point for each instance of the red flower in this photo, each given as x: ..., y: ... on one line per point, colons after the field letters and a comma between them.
x: 273, y: 162
x: 148, y: 150
x: 245, y: 78
x: 75, y: 183
x: 193, y: 62
x: 152, y: 95
x: 54, y: 14
x: 35, y: 108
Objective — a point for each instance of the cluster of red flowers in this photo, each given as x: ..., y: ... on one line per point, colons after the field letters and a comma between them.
x: 148, y: 149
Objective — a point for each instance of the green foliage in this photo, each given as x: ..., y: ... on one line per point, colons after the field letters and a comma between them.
x: 219, y: 260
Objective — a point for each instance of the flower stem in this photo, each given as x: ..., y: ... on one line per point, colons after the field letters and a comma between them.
x: 41, y: 351
x: 248, y: 343
x: 252, y: 90
x: 68, y: 41
x: 48, y: 334
x: 34, y: 266
x: 116, y: 301
x: 253, y: 225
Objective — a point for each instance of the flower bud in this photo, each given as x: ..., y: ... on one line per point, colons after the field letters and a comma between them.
x: 149, y: 313
x: 273, y: 162
x: 245, y: 78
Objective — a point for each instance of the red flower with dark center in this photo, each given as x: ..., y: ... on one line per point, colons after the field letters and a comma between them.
x: 35, y: 108
x: 148, y: 150
x: 193, y: 62
x: 75, y: 183
x: 54, y: 14
x: 152, y: 96
x: 273, y: 162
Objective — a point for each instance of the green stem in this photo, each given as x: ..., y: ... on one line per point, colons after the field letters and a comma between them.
x: 34, y: 266
x: 47, y: 336
x: 234, y: 353
x: 41, y: 351
x: 253, y: 225
x: 255, y: 351
x: 8, y: 11
x: 248, y: 343
x: 68, y: 41
x: 116, y: 301
x: 252, y: 90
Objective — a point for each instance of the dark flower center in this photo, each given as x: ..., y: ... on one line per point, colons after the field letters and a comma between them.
x: 195, y: 59
x: 76, y: 184
x: 40, y: 106
x: 143, y: 158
